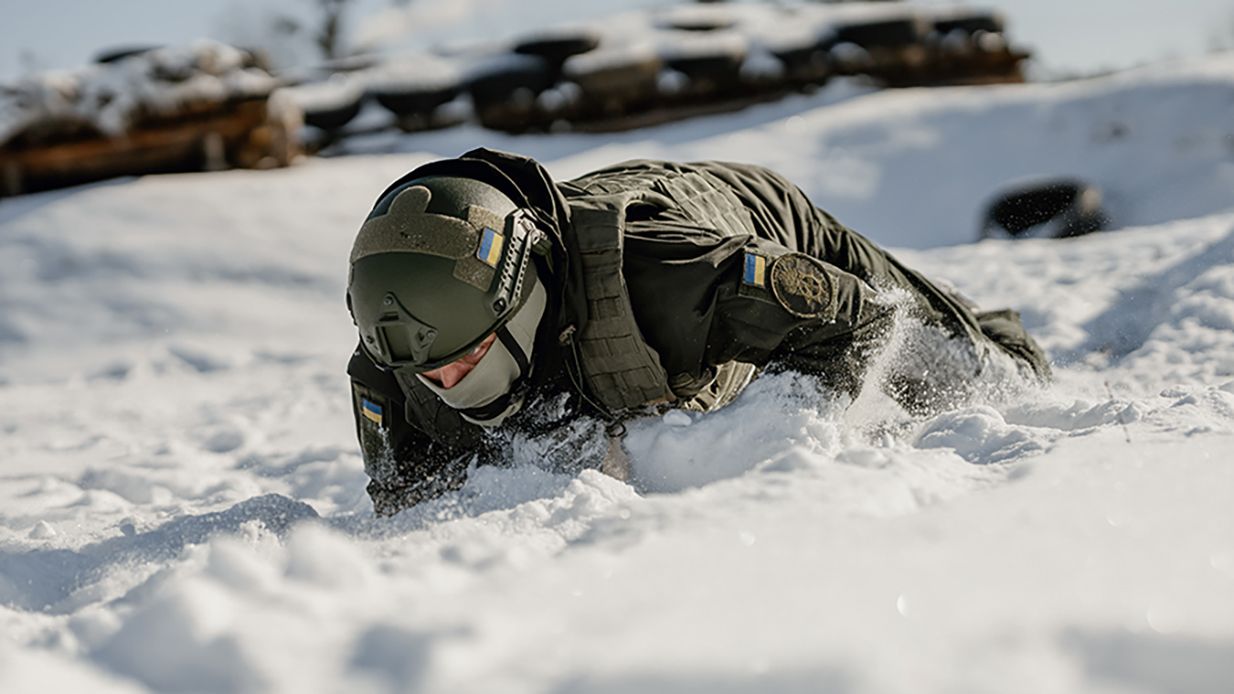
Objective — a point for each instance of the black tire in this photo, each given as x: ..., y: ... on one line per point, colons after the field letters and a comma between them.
x: 883, y: 33
x: 557, y: 49
x: 495, y: 82
x: 695, y: 19
x: 697, y: 24
x: 328, y: 114
x: 718, y: 67
x: 615, y: 75
x: 504, y: 92
x: 614, y: 84
x: 715, y: 64
x: 414, y: 101
x: 112, y: 55
x: 805, y: 62
x: 414, y: 88
x: 1057, y: 208
x: 333, y: 119
x: 970, y: 24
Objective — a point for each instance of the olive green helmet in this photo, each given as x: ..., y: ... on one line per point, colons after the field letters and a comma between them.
x: 440, y: 264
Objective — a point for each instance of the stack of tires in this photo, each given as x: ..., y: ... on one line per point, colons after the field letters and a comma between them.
x: 665, y: 64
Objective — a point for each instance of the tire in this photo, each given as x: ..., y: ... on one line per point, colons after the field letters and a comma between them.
x: 112, y: 55
x: 557, y: 49
x: 408, y: 91
x: 718, y: 68
x: 698, y: 24
x: 327, y: 106
x: 883, y: 33
x: 970, y: 24
x: 332, y: 119
x: 1056, y: 208
x: 694, y: 18
x: 496, y: 81
x: 806, y: 62
x: 413, y: 101
x: 504, y: 91
x: 707, y: 61
x: 613, y: 82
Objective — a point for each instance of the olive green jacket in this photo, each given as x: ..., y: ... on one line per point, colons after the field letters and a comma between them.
x: 722, y: 263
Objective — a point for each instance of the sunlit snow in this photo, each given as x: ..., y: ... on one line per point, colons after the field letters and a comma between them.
x: 182, y: 500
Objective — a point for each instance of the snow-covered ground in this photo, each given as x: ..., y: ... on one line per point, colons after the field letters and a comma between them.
x: 182, y: 504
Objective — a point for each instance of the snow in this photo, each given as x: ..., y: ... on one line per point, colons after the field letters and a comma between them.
x: 635, y: 53
x: 182, y: 503
x: 412, y: 72
x: 721, y: 43
x: 112, y: 97
x: 336, y: 93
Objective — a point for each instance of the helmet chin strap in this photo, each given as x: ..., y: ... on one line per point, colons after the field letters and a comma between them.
x: 516, y: 350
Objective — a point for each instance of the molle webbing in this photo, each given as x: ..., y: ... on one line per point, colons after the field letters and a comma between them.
x: 708, y: 200
x: 620, y: 368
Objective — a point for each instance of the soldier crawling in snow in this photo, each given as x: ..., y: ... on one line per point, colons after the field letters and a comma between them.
x: 490, y: 298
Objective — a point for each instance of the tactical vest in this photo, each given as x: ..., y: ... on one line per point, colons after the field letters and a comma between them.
x: 618, y: 367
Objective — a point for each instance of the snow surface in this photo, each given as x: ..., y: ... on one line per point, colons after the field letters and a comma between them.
x: 181, y: 496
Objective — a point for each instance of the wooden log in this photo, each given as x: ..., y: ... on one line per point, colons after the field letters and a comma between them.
x: 241, y: 134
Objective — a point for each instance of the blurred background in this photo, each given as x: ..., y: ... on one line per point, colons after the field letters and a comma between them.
x: 1068, y: 38
x: 139, y: 86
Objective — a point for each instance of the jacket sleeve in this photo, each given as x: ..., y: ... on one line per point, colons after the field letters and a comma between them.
x: 405, y: 464
x: 703, y: 300
x: 775, y: 306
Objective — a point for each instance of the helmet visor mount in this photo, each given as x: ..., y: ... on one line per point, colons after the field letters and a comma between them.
x: 485, y: 255
x: 401, y: 339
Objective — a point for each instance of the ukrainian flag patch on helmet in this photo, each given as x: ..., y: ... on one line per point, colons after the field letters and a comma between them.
x: 491, y: 244
x: 371, y: 411
x: 755, y: 273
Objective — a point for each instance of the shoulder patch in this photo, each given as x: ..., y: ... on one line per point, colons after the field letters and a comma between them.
x: 371, y: 411
x: 754, y: 270
x: 802, y: 286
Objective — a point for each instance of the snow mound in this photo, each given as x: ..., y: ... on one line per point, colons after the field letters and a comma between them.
x: 182, y: 505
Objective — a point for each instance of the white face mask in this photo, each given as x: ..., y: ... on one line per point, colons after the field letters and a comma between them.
x: 496, y: 373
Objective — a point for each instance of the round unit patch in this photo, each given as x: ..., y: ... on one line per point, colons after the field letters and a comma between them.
x: 802, y: 286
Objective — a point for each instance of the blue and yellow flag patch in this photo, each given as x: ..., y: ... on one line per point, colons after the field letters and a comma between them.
x: 371, y: 410
x: 491, y: 244
x: 755, y: 273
